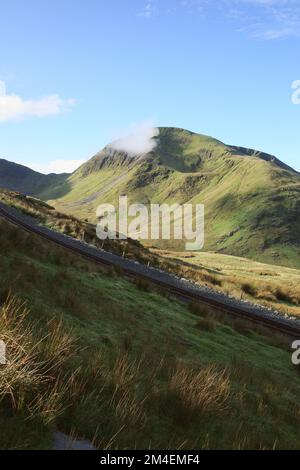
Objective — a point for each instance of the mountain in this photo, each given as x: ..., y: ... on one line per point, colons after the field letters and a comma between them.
x: 252, y: 199
x: 20, y: 178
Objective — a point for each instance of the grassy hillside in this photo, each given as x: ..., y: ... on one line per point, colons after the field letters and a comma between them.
x: 276, y: 287
x: 252, y: 200
x: 20, y: 178
x: 98, y: 357
x: 273, y: 286
x: 73, y: 227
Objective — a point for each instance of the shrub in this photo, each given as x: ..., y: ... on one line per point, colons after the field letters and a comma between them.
x: 249, y: 289
x: 211, y: 279
x: 283, y: 296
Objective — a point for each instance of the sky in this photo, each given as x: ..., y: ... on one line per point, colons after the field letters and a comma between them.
x: 76, y: 74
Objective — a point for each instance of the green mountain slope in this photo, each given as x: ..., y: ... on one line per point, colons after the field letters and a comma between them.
x: 252, y: 200
x: 20, y: 178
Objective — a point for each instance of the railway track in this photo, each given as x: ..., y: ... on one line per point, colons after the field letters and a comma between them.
x: 178, y: 287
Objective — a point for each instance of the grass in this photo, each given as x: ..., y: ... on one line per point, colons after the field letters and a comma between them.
x: 199, y: 393
x: 71, y: 226
x: 35, y: 385
x: 274, y: 286
x: 98, y: 357
x: 207, y: 324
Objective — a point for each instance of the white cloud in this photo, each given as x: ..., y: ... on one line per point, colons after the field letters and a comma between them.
x: 13, y: 107
x: 138, y: 140
x: 57, y: 166
x: 148, y: 10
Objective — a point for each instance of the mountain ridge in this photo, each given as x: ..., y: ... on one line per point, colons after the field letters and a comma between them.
x: 17, y: 177
x: 108, y: 152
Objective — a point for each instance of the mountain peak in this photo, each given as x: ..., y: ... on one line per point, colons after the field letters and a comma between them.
x: 176, y: 148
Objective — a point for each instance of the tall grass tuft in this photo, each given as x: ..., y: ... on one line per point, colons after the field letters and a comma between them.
x: 201, y: 391
x: 34, y: 381
x: 193, y: 393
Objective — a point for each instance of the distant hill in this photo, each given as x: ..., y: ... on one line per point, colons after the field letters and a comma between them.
x: 20, y: 178
x: 252, y: 199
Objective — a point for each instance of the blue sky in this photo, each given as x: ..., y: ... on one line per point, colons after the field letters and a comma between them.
x: 76, y: 74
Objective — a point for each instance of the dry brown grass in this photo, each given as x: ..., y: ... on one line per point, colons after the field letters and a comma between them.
x: 31, y: 381
x: 273, y: 286
x: 126, y: 402
x: 249, y: 289
x: 200, y: 392
x: 22, y: 370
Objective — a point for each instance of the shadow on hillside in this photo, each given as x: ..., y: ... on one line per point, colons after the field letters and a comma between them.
x: 55, y: 187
